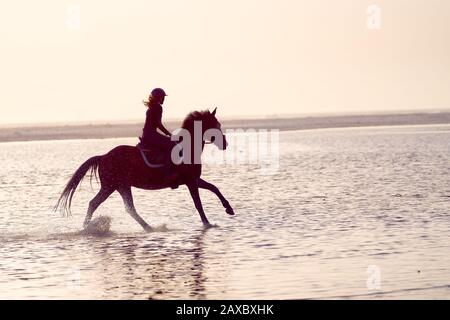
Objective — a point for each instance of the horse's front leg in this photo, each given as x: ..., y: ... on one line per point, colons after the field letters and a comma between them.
x: 193, y: 189
x: 209, y: 186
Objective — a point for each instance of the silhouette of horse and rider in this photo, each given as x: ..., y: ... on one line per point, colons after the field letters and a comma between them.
x: 134, y: 166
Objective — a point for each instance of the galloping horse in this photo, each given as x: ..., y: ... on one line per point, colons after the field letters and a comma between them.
x: 124, y: 167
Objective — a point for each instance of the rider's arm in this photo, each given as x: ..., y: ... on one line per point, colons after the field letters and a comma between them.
x: 157, y: 116
x: 163, y: 129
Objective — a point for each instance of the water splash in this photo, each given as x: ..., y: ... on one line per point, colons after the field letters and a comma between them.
x: 160, y: 228
x: 100, y: 226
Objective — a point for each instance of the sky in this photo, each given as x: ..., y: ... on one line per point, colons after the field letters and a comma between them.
x: 95, y: 61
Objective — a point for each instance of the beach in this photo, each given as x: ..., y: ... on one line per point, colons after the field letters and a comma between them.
x: 349, y: 213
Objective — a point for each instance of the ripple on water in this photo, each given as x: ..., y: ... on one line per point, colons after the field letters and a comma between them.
x: 343, y: 200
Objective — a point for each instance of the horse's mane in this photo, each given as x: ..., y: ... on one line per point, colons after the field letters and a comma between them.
x: 188, y: 122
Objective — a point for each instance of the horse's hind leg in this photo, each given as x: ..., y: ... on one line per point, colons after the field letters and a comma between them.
x: 127, y: 197
x: 100, y: 197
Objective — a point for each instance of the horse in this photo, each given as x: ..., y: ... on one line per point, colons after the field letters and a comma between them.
x: 123, y: 167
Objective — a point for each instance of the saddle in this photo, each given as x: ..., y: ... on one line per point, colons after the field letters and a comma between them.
x: 152, y: 156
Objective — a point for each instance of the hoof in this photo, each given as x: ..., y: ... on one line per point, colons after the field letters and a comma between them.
x: 147, y: 228
x: 230, y: 211
x: 207, y: 225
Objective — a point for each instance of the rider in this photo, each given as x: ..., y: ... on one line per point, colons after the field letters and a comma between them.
x: 150, y: 135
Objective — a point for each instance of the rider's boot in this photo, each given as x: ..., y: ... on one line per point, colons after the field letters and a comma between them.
x: 171, y: 177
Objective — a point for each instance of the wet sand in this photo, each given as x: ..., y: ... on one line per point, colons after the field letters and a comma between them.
x: 99, y: 131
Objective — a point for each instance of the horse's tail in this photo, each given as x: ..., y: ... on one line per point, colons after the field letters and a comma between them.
x: 65, y: 200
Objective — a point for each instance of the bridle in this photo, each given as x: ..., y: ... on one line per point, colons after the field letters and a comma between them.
x: 211, y: 142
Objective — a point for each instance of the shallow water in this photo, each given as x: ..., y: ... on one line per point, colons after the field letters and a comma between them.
x: 351, y: 213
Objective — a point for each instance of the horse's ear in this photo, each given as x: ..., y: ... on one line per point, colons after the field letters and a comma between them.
x: 214, y: 111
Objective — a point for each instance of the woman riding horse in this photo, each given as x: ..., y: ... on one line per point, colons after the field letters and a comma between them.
x: 123, y: 168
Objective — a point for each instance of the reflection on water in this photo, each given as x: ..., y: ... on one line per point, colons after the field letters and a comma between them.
x: 125, y: 266
x: 343, y: 202
x: 154, y: 268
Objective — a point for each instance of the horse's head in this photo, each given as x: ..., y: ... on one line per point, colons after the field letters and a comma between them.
x: 211, y: 127
x: 214, y: 130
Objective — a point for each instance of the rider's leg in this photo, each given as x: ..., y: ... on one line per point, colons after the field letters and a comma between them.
x: 165, y: 144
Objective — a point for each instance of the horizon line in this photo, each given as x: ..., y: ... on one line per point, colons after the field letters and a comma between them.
x: 232, y: 117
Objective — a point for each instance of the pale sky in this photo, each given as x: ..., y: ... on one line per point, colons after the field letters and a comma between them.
x: 248, y: 57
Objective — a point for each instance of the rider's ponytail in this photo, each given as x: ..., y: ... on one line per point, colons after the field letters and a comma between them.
x: 148, y: 102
